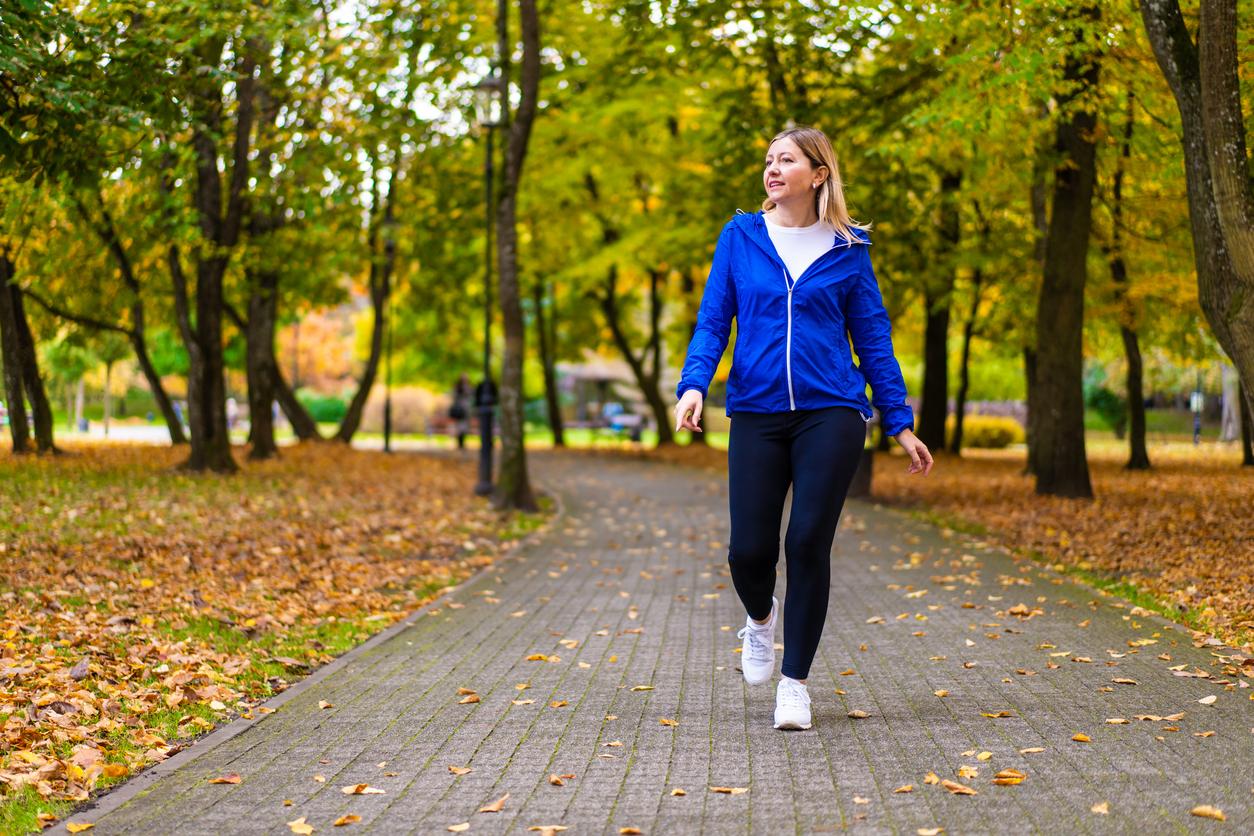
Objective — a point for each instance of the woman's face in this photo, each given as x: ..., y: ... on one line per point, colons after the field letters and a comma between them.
x: 788, y: 174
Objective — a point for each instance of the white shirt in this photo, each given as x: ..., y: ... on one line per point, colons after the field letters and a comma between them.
x: 799, y: 246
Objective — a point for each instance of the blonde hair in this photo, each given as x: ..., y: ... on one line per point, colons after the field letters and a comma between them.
x: 829, y: 197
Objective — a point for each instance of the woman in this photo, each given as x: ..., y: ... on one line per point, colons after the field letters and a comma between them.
x: 797, y: 277
x: 459, y: 410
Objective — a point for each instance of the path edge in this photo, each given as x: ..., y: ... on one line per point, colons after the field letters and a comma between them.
x: 140, y: 783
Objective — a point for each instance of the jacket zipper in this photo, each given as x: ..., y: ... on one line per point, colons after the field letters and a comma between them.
x: 792, y: 403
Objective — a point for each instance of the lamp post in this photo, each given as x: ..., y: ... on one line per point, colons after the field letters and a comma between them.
x: 487, y: 107
x: 389, y: 246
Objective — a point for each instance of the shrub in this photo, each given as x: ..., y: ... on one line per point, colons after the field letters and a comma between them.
x: 325, y: 409
x: 987, y: 431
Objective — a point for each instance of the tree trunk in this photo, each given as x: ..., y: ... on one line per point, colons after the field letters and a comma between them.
x: 262, y: 308
x: 547, y: 333
x: 648, y: 382
x: 513, y: 486
x: 108, y: 397
x: 10, y: 359
x: 1223, y: 244
x: 1061, y: 465
x: 380, y: 289
x: 1138, y: 455
x: 1029, y: 376
x: 964, y: 369
x: 1247, y: 431
x: 32, y: 383
x: 1039, y: 199
x: 688, y: 289
x: 937, y: 293
x: 303, y: 424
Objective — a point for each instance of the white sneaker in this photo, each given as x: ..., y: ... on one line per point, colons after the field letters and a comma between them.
x: 757, y: 652
x: 792, y: 705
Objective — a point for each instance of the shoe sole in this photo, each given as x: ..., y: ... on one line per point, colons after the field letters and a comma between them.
x: 761, y: 681
x: 793, y: 726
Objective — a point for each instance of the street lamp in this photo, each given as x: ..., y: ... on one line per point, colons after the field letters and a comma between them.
x: 487, y: 114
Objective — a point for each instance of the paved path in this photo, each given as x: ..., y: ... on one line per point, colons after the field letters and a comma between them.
x: 630, y: 588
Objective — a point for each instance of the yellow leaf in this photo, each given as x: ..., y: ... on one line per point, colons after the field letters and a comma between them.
x: 905, y: 788
x: 956, y: 788
x: 730, y: 790
x: 78, y: 827
x: 496, y: 806
x: 556, y: 780
x: 230, y: 778
x: 983, y: 756
x: 931, y: 778
x: 558, y: 704
x: 300, y: 826
x: 1208, y: 812
x: 1101, y: 808
x: 114, y: 770
x: 627, y: 831
x: 642, y: 687
x: 464, y: 691
x: 666, y: 721
x: 361, y: 789
x: 469, y: 698
x: 347, y: 818
x: 459, y: 828
x: 1009, y: 777
x: 678, y: 791
x: 941, y: 693
x: 460, y: 770
x: 1080, y: 737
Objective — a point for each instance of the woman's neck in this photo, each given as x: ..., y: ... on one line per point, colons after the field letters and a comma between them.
x: 792, y: 215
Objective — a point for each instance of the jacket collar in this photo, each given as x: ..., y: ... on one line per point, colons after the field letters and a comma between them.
x: 753, y: 225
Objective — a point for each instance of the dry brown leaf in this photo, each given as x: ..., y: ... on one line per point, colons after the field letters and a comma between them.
x: 469, y: 698
x: 678, y: 791
x: 858, y: 714
x: 361, y: 789
x: 666, y: 721
x: 630, y: 831
x: 459, y: 828
x: 496, y: 806
x: 460, y: 770
x: 730, y: 790
x: 1009, y: 777
x: 229, y: 778
x: 346, y: 819
x: 556, y: 780
x: 464, y: 691
x: 1031, y: 750
x: 941, y: 693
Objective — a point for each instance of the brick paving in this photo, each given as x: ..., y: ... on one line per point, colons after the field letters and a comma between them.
x: 630, y: 588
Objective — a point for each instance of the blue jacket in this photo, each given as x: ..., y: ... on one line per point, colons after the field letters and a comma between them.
x: 792, y: 344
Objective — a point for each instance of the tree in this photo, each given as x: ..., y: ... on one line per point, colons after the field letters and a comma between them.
x: 513, y: 486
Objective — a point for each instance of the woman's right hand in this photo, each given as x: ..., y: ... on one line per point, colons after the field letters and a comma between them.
x: 688, y: 411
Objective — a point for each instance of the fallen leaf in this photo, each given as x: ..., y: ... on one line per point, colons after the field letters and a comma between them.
x: 1031, y: 750
x: 496, y: 806
x: 929, y: 831
x: 1080, y: 737
x: 941, y: 693
x: 666, y: 721
x: 983, y: 756
x: 558, y: 704
x: 931, y: 778
x: 905, y: 788
x: 464, y: 691
x: 996, y: 714
x: 1120, y: 680
x: 1009, y: 777
x: 1210, y: 700
x: 1117, y: 721
x: 324, y: 704
x: 229, y: 778
x: 460, y: 770
x: 730, y: 790
x: 361, y: 789
x: 1101, y: 808
x: 678, y: 791
x: 469, y: 698
x: 642, y: 687
x: 459, y: 828
x: 857, y: 799
x: 78, y: 826
x: 1206, y: 811
x: 300, y: 826
x: 556, y: 780
x: 956, y: 788
x: 858, y: 714
x: 347, y: 818
x: 630, y: 830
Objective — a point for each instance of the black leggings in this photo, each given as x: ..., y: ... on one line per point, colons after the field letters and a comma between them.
x: 817, y: 452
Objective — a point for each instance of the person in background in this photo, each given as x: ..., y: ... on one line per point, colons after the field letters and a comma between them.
x: 459, y: 409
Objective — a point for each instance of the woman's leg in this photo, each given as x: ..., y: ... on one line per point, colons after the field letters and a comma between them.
x: 826, y: 446
x: 759, y: 470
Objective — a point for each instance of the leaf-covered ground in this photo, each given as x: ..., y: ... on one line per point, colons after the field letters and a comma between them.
x: 1178, y: 538
x: 142, y: 605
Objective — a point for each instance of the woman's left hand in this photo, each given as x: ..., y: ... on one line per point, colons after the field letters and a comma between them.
x: 920, y: 458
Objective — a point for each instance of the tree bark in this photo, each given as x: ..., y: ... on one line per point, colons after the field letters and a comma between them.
x: 1039, y: 199
x: 261, y: 365
x: 964, y: 369
x: 937, y: 293
x: 1205, y: 94
x: 1138, y: 455
x: 1061, y: 465
x: 547, y: 333
x: 513, y: 486
x: 10, y: 359
x: 32, y: 382
x: 1247, y: 431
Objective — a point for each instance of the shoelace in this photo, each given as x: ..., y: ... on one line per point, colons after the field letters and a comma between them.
x: 759, y: 642
x: 793, y: 696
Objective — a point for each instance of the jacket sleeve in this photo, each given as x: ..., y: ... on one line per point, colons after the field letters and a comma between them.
x: 718, y: 307
x: 871, y: 330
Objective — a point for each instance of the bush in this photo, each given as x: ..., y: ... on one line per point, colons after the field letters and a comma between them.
x: 987, y: 431
x: 325, y: 409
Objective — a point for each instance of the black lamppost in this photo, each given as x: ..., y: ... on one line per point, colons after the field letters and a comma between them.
x: 389, y: 246
x: 487, y: 107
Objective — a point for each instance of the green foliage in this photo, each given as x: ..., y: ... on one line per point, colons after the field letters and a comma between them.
x: 324, y: 409
x: 1112, y: 407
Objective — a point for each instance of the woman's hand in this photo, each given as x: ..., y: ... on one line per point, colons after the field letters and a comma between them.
x: 688, y: 411
x: 920, y: 458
